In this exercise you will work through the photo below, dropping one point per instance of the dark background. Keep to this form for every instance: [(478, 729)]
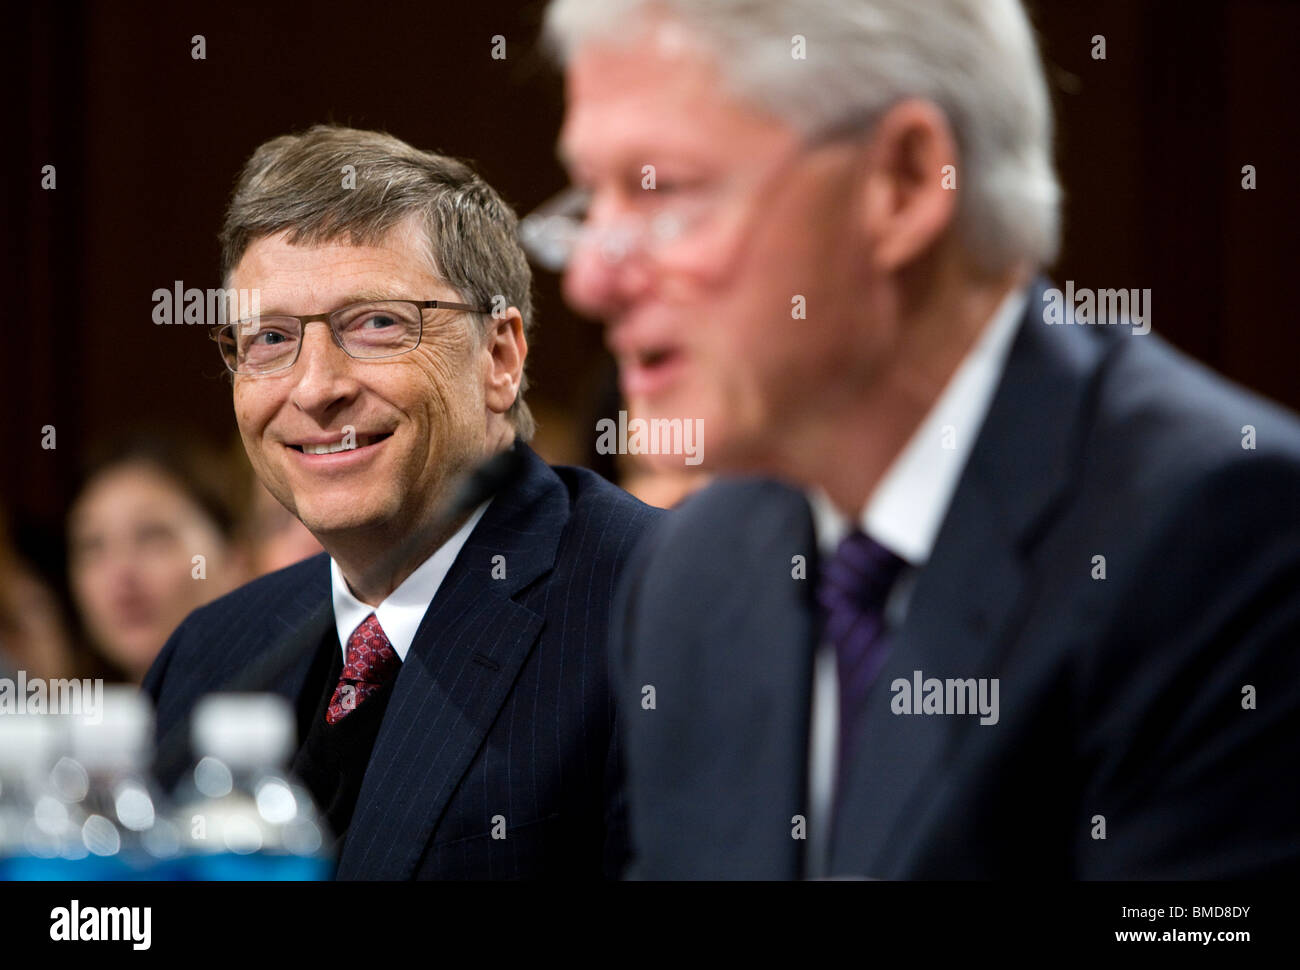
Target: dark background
[(147, 143)]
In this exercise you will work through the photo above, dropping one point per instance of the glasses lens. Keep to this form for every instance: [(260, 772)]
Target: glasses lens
[(378, 329), (259, 344), (551, 234)]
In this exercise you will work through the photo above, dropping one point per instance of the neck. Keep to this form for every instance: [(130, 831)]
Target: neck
[(936, 323), (376, 564)]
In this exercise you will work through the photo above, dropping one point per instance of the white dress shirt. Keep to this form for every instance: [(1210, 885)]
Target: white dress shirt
[(400, 614), (903, 514)]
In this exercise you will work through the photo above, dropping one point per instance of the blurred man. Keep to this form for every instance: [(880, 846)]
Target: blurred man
[(1025, 600), (451, 686)]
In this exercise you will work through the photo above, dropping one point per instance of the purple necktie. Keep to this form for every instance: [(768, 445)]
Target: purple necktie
[(852, 591)]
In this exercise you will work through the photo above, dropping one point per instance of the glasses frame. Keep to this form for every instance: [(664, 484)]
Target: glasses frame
[(552, 224), (215, 331)]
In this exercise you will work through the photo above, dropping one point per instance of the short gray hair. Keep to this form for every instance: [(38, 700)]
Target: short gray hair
[(295, 183), (976, 59)]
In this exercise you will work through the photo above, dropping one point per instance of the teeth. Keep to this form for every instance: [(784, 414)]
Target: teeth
[(338, 446)]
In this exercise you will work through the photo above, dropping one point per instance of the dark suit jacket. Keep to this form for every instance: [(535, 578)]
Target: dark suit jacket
[(1126, 697), (501, 707)]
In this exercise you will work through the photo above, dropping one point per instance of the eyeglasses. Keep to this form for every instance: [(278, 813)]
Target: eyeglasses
[(367, 331), (553, 233)]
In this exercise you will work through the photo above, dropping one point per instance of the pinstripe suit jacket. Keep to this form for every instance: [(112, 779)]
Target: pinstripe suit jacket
[(501, 707)]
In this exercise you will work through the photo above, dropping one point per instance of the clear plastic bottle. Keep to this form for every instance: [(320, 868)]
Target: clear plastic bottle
[(122, 820), (37, 834), (240, 814)]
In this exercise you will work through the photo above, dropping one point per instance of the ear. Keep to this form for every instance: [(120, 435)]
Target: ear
[(505, 348), (908, 194)]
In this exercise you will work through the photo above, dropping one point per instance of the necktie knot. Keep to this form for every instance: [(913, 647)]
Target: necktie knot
[(857, 579), (370, 663)]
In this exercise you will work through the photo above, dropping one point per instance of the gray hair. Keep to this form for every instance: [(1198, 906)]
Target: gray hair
[(295, 183), (977, 60)]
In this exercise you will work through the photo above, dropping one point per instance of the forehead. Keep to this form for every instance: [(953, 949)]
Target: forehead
[(319, 273), (134, 483), (657, 94)]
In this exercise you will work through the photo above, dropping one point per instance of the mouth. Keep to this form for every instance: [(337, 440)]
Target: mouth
[(334, 445), (653, 357), (133, 615), (649, 370)]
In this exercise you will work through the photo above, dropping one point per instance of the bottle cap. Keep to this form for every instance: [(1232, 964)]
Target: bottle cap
[(27, 743), (119, 736), (244, 730)]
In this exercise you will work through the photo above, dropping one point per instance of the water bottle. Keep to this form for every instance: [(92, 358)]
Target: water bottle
[(241, 815), (34, 825), (121, 819)]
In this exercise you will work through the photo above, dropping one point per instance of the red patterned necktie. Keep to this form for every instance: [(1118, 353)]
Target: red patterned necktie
[(371, 663)]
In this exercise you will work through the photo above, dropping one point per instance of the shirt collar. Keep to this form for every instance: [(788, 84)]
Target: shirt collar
[(400, 614), (909, 503)]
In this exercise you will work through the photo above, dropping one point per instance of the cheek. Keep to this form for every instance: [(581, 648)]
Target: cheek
[(253, 411), (448, 384), (159, 575), (90, 586), (199, 537)]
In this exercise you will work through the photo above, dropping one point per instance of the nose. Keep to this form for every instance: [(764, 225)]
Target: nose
[(607, 272), (117, 574), (324, 381)]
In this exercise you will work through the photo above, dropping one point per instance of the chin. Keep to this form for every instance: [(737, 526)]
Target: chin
[(137, 655), (730, 450), (341, 517)]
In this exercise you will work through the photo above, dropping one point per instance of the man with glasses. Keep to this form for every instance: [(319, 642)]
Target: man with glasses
[(447, 662), (1012, 595)]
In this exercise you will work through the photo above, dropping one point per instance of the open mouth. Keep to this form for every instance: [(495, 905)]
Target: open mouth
[(345, 443), (654, 357), (650, 370)]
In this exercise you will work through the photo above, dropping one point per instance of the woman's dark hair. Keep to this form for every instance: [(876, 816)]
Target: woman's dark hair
[(211, 480)]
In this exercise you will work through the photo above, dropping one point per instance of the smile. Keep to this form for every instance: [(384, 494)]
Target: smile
[(348, 442)]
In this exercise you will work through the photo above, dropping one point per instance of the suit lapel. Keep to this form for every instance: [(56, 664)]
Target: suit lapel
[(969, 597), (465, 657)]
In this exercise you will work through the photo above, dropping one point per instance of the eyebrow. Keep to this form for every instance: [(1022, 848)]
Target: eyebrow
[(357, 296), (632, 157)]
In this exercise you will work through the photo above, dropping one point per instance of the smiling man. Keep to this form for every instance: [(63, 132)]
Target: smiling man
[(1010, 596), (451, 689)]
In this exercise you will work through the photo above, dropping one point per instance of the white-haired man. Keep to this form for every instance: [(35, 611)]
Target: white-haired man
[(1004, 598)]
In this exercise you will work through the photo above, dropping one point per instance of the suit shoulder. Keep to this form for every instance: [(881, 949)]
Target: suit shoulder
[(723, 531), (1184, 469), (590, 496), (735, 510), (269, 591), (1173, 421)]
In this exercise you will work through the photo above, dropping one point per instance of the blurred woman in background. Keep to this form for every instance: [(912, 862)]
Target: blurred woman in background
[(274, 536), (151, 537)]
